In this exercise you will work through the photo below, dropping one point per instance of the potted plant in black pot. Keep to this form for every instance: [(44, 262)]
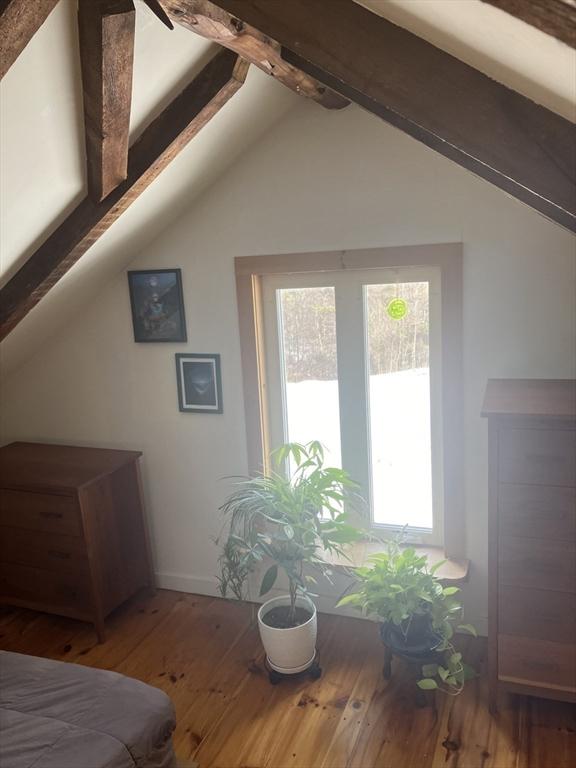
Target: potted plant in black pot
[(418, 615), (286, 523)]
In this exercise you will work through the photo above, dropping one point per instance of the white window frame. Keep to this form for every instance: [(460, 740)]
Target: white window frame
[(353, 375), (250, 272)]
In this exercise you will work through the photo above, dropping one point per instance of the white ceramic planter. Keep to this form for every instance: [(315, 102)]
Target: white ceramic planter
[(293, 650)]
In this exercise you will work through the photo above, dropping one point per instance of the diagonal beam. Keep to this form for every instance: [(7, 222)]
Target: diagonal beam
[(106, 31), (158, 11), (155, 149), (492, 131), (19, 22), (554, 17), (213, 23)]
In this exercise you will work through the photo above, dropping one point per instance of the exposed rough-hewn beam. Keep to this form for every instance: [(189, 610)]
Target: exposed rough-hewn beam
[(19, 22), (208, 20), (555, 17), (157, 9), (480, 124), (154, 150), (106, 33)]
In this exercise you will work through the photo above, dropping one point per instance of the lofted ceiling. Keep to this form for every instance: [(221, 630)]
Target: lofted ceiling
[(42, 134), (42, 151), (501, 46), (42, 156)]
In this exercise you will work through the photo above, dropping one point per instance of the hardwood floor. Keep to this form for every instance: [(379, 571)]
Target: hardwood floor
[(205, 653)]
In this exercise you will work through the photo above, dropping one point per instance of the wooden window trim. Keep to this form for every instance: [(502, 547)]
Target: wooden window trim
[(448, 257)]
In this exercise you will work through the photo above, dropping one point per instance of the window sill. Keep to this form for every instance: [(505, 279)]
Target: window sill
[(455, 571)]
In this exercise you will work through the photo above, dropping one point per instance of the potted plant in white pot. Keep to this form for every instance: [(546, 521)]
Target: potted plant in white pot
[(286, 523)]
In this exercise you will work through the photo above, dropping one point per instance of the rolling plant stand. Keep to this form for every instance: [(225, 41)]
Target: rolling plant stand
[(314, 671)]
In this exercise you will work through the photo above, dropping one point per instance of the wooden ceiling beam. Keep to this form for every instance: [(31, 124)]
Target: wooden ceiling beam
[(213, 23), (554, 17), (492, 131), (158, 11), (106, 31), (19, 22), (164, 138)]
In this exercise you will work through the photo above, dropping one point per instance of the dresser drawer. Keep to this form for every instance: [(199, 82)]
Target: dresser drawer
[(526, 562), (38, 588), (537, 613), (541, 511), (537, 662), (40, 512), (54, 552), (537, 456)]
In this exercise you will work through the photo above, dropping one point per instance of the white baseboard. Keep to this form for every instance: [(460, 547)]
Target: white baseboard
[(325, 603), (195, 585)]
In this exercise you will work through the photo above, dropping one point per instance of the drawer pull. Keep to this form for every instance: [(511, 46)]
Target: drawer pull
[(59, 555), (54, 515)]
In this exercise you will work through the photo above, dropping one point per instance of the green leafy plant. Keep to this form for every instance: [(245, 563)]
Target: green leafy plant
[(287, 521), (401, 590)]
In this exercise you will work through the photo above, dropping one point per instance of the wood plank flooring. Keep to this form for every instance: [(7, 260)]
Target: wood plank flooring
[(205, 653)]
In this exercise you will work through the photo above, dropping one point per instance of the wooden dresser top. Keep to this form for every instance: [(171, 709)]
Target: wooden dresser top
[(530, 397), (57, 467)]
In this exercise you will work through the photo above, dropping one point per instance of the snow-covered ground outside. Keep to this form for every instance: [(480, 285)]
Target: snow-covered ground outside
[(400, 437)]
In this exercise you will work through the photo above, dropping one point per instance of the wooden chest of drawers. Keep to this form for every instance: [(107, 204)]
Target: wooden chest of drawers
[(72, 532), (532, 537)]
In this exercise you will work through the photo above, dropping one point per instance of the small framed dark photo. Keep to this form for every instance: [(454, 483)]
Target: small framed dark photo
[(199, 383), (157, 305)]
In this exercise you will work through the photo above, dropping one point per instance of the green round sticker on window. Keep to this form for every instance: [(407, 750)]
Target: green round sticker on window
[(397, 309)]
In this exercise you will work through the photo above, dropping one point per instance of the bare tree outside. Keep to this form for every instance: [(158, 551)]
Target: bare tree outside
[(398, 345), (309, 335), (309, 318)]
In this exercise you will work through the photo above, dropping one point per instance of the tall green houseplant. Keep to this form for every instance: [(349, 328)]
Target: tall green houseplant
[(287, 521)]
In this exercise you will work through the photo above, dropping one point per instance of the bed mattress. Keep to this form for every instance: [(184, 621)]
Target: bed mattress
[(58, 715)]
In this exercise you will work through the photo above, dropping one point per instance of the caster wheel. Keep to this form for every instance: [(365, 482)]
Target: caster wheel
[(315, 671), (274, 677)]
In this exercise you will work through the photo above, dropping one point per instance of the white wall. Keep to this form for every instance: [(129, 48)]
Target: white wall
[(318, 181)]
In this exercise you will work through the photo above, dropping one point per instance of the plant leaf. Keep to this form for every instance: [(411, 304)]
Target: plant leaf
[(469, 672), (427, 684), (443, 673), (269, 579), (468, 628), (437, 565), (348, 600)]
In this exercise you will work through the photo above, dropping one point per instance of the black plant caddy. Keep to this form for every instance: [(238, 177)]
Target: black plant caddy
[(418, 644), (417, 647), (314, 672)]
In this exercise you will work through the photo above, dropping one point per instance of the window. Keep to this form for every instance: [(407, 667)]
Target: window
[(353, 360), (362, 351)]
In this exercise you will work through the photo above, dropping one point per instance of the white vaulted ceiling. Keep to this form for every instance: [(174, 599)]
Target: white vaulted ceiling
[(42, 158)]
